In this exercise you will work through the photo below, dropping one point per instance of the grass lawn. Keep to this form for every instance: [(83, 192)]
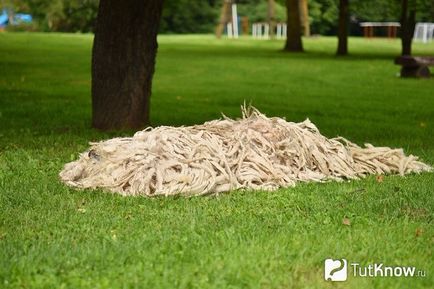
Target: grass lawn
[(52, 236)]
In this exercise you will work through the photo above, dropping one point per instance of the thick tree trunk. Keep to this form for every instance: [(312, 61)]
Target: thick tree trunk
[(343, 27), (123, 61), (408, 23), (293, 34)]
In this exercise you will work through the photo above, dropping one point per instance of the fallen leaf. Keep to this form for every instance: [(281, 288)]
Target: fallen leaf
[(422, 124), (419, 232), (81, 210), (379, 178), (346, 222)]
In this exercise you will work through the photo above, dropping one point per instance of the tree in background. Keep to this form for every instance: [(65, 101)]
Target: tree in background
[(271, 16), (123, 61), (408, 23), (407, 11), (225, 17), (200, 16), (293, 34), (304, 17), (344, 16)]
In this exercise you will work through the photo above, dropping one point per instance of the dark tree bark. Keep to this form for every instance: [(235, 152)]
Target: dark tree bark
[(343, 27), (408, 23), (123, 61), (293, 33)]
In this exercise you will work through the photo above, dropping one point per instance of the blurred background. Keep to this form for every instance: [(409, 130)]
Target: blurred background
[(199, 16)]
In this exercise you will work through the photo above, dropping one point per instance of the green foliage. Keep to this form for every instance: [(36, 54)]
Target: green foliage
[(323, 16), (200, 16), (256, 11), (52, 236), (186, 16), (13, 5), (376, 10), (59, 15), (425, 11), (390, 10), (80, 15), (65, 15)]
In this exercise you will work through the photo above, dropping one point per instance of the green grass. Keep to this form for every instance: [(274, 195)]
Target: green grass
[(52, 236)]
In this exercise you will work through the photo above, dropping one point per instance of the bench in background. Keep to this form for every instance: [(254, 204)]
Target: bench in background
[(415, 66)]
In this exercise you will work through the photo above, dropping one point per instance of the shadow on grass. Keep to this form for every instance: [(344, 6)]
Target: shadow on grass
[(261, 52)]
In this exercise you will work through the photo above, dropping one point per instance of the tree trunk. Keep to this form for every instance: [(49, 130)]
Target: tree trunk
[(343, 27), (271, 17), (408, 23), (304, 14), (225, 15), (123, 61), (293, 33)]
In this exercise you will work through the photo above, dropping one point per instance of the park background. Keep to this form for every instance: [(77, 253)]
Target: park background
[(201, 16), (52, 236)]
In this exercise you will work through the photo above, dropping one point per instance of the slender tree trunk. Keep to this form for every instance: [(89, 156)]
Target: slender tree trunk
[(293, 34), (271, 17), (225, 15), (408, 23), (123, 61), (343, 27), (304, 14)]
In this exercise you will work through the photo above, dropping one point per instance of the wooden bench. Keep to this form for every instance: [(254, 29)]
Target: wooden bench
[(415, 66)]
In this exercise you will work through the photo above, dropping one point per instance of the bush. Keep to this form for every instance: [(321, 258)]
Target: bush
[(22, 27)]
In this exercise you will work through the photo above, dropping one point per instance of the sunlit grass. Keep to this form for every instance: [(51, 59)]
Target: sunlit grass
[(52, 236)]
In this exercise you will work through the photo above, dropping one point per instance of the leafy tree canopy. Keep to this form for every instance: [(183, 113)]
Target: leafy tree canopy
[(200, 16)]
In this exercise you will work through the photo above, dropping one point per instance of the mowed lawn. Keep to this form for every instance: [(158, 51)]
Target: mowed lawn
[(52, 236)]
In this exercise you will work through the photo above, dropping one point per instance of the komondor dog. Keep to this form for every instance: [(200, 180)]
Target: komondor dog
[(254, 152)]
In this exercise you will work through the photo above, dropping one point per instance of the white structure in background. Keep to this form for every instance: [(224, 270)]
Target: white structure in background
[(261, 30), (424, 32), (281, 30), (232, 27)]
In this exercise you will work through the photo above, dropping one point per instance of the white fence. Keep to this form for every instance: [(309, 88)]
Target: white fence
[(424, 32), (261, 30)]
